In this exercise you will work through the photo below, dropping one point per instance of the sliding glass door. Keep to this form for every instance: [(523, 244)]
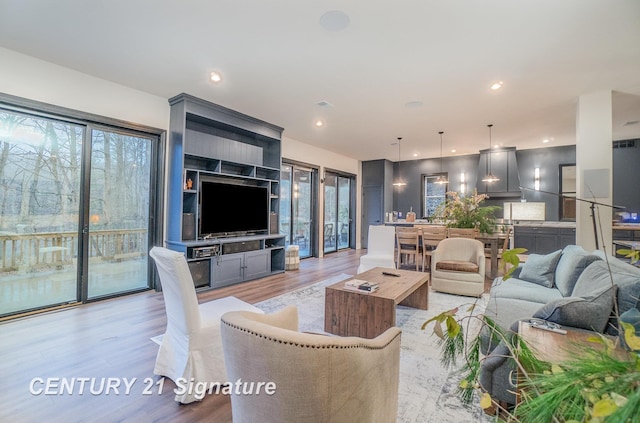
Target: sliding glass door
[(40, 164), (75, 211), (118, 213), (338, 211), (297, 207)]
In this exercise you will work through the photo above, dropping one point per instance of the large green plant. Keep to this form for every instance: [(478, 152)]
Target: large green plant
[(466, 212)]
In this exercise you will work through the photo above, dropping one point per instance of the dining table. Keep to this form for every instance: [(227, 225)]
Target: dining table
[(494, 240)]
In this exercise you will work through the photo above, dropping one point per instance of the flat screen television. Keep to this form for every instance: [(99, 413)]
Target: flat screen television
[(228, 209)]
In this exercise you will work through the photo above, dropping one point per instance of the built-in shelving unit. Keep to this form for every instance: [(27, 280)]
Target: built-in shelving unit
[(211, 142)]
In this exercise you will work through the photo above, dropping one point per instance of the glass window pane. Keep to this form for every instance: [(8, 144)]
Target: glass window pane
[(119, 213), (40, 163)]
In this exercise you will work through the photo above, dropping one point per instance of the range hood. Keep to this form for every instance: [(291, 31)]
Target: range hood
[(505, 167)]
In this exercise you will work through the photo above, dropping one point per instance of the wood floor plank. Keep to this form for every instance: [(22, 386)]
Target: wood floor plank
[(112, 339)]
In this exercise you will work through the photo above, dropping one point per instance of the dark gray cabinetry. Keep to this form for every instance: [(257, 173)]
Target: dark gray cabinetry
[(211, 142), (503, 165), (377, 195), (543, 240), (233, 268)]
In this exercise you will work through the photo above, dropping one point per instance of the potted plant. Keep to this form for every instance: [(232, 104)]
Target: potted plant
[(466, 212)]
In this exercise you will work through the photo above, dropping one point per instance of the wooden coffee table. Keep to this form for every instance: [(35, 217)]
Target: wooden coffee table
[(353, 313)]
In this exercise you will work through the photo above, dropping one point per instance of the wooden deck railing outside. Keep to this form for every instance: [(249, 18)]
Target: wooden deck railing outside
[(52, 249)]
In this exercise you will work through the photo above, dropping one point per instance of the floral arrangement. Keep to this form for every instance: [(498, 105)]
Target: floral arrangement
[(466, 212)]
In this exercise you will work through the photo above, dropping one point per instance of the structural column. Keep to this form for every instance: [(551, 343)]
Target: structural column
[(594, 158)]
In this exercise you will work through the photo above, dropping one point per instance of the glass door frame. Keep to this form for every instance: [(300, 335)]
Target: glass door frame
[(337, 232), (65, 115), (313, 224)]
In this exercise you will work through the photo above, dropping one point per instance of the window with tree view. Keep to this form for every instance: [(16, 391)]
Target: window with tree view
[(434, 194)]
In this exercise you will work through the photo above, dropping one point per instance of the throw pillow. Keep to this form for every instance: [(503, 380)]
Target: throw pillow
[(590, 313), (540, 269), (573, 261)]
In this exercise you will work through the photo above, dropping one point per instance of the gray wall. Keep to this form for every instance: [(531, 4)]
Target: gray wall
[(547, 159), (626, 174)]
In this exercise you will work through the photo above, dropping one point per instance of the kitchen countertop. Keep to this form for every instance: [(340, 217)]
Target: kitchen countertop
[(627, 226), (545, 224)]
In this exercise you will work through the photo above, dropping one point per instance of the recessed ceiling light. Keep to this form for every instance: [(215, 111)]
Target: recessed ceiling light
[(415, 154), (496, 146), (497, 85), (318, 123), (546, 140), (215, 76), (453, 150), (334, 20), (413, 104)]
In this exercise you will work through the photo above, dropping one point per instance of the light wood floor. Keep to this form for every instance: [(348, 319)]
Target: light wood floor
[(111, 339)]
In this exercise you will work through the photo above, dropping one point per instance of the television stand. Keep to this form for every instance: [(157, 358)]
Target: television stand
[(213, 144)]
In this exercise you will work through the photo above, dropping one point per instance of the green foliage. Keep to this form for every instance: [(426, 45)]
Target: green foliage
[(596, 387), (511, 257), (465, 212), (634, 255)]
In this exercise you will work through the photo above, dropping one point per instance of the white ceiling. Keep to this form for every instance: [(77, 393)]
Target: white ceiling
[(278, 61)]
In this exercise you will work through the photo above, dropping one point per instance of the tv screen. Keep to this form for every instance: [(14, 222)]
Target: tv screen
[(230, 209)]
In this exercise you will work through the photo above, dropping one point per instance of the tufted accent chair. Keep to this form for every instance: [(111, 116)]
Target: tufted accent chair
[(318, 378)]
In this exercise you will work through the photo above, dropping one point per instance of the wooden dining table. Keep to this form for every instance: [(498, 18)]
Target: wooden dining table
[(494, 240)]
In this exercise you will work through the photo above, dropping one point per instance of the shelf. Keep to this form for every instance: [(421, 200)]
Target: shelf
[(208, 141)]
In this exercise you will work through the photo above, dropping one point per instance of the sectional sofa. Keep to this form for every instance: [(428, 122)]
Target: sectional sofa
[(570, 287)]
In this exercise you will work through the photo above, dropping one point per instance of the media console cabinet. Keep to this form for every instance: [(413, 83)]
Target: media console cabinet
[(208, 142)]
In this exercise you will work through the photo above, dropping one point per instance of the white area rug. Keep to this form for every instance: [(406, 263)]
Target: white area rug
[(427, 391)]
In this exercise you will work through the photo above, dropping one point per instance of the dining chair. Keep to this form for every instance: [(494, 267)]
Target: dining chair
[(463, 233), (191, 347), (380, 248), (431, 237), (408, 245)]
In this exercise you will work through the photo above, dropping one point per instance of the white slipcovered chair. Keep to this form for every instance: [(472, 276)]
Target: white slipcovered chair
[(191, 347), (317, 378), (457, 267), (380, 248)]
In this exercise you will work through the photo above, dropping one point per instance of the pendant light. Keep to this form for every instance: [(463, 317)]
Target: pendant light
[(399, 182), (490, 177), (441, 180)]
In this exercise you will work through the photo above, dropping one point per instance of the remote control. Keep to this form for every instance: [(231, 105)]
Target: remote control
[(390, 274), (556, 330)]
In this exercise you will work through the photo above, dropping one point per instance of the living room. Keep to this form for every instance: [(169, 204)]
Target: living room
[(40, 75)]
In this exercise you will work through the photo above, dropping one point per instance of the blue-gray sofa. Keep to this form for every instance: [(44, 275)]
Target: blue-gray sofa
[(570, 287)]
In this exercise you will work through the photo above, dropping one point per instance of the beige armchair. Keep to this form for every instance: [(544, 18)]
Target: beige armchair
[(457, 267), (317, 378)]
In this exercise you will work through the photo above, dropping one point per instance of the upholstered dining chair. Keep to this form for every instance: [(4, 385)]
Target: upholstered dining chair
[(380, 248), (191, 347), (457, 267), (408, 246), (316, 378)]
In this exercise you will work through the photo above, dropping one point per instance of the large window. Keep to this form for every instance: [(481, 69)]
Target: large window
[(338, 211), (434, 194), (77, 203)]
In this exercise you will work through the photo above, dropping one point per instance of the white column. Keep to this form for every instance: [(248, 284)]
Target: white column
[(594, 176)]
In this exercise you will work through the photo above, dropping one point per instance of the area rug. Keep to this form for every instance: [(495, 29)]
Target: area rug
[(427, 390)]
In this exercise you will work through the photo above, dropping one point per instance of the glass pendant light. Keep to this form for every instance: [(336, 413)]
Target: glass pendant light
[(441, 179), (399, 182), (490, 176)]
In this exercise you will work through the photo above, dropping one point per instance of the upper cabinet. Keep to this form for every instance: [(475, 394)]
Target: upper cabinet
[(502, 164)]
